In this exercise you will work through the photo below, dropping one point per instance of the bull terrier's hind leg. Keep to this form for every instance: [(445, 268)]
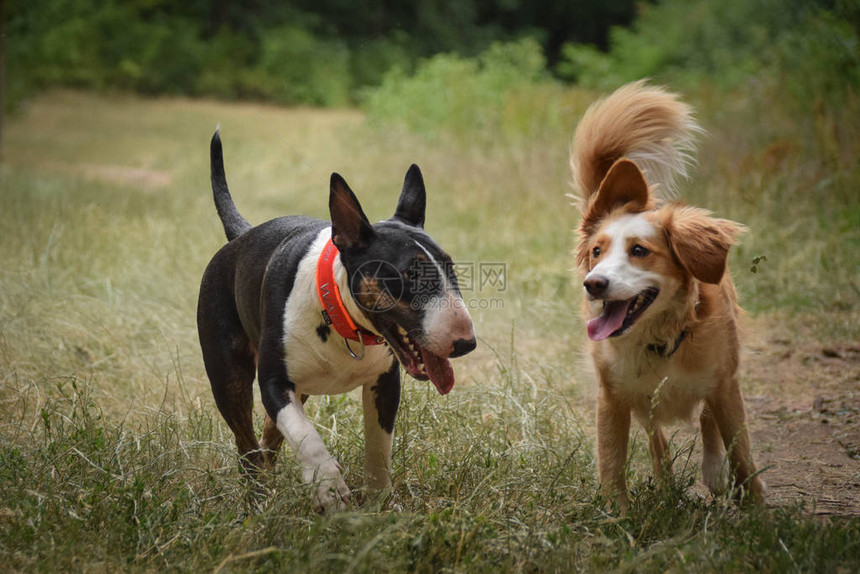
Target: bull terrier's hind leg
[(230, 365)]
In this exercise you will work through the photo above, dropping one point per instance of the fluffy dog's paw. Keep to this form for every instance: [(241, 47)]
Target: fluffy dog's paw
[(757, 490), (330, 493), (715, 473)]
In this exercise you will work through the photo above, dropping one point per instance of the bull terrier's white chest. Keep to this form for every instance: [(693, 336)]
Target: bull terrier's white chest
[(317, 359), (318, 368)]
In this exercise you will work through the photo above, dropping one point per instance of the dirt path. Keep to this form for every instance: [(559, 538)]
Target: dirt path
[(804, 407)]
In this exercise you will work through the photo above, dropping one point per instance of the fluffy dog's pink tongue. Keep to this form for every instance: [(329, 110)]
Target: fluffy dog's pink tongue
[(440, 371), (610, 321)]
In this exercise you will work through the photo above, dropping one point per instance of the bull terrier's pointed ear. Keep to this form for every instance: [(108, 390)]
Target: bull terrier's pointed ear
[(413, 199), (350, 228)]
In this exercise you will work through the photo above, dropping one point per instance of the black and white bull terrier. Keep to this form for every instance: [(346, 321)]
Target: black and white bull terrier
[(320, 308)]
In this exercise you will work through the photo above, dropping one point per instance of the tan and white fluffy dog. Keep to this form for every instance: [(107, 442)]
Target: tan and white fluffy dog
[(662, 310)]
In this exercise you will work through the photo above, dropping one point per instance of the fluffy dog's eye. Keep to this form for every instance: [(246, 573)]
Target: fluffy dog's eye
[(595, 252), (639, 251)]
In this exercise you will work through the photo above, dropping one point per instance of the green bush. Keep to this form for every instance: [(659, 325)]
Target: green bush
[(297, 67), (168, 59), (810, 48), (224, 67), (488, 96), (369, 61), (820, 61), (166, 48)]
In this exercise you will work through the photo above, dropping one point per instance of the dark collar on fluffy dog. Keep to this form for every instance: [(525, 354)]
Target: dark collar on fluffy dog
[(664, 350)]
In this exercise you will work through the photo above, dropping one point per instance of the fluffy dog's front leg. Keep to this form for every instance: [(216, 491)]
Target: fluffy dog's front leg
[(613, 430), (728, 411), (659, 449), (715, 470), (319, 468)]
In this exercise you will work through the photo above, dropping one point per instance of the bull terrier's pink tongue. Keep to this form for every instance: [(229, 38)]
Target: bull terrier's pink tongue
[(610, 321), (440, 371)]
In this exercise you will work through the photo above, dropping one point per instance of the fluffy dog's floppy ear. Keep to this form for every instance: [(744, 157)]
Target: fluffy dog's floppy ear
[(622, 186), (350, 228), (701, 242), (413, 199)]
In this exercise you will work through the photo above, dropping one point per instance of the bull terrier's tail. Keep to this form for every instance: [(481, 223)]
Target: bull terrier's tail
[(234, 224)]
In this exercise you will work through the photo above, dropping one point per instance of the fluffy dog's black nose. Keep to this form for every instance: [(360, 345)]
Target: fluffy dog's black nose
[(597, 285), (463, 346)]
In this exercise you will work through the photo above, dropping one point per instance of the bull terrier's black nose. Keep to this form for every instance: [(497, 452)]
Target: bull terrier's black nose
[(463, 346), (597, 285)]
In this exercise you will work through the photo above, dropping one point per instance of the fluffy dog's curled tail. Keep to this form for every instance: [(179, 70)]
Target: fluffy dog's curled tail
[(645, 124)]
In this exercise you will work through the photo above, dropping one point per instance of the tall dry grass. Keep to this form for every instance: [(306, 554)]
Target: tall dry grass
[(112, 455)]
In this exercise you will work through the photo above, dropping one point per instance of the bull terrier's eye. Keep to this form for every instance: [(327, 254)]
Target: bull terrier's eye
[(639, 251), (423, 277), (595, 252)]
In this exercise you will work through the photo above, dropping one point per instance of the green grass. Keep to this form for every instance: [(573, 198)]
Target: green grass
[(113, 456)]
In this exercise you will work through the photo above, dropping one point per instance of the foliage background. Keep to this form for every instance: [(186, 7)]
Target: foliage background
[(319, 53)]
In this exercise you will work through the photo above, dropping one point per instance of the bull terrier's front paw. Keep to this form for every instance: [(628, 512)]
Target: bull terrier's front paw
[(330, 491)]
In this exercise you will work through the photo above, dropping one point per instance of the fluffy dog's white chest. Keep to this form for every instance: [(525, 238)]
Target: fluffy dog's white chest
[(655, 386)]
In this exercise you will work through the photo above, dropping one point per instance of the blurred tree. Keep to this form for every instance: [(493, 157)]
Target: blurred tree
[(230, 48), (557, 22)]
